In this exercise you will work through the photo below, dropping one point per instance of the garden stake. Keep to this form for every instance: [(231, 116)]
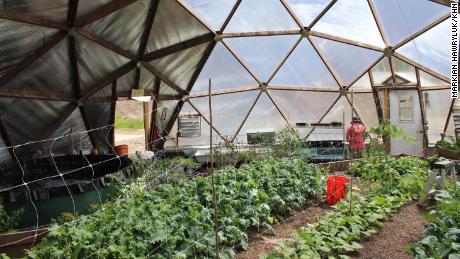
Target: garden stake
[(352, 156), (213, 181)]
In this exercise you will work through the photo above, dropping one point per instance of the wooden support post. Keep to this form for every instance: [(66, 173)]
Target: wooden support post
[(146, 106), (386, 117)]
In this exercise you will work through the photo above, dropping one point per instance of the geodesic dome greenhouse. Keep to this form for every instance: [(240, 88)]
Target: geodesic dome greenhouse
[(272, 64)]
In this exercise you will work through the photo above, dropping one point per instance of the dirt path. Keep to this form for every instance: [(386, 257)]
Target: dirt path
[(133, 138), (391, 242), (265, 243)]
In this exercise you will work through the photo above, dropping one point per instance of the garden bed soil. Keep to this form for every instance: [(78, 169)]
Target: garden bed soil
[(261, 242), (401, 229)]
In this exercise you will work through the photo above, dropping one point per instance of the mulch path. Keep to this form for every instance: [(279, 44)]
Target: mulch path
[(401, 229), (265, 242)]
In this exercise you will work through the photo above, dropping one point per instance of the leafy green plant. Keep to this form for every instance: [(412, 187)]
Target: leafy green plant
[(174, 219), (441, 238), (450, 144), (8, 221)]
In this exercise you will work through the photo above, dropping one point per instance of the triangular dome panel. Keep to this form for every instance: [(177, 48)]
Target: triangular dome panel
[(213, 11), (304, 68), (173, 24), (124, 27), (180, 66), (403, 18), (437, 112), (251, 16), (364, 83), (224, 121), (224, 71), (95, 62), (264, 117), (431, 49), (263, 53), (22, 40), (381, 72), (351, 20), (427, 80), (348, 61), (307, 10)]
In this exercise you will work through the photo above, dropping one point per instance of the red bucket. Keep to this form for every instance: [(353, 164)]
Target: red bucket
[(336, 188)]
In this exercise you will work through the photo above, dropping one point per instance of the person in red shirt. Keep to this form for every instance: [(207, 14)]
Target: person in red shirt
[(355, 137)]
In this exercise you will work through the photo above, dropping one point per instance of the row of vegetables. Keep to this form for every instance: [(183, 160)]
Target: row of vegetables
[(175, 219), (393, 183)]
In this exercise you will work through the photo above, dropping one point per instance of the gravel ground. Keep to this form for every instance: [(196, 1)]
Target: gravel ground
[(398, 232), (264, 243)]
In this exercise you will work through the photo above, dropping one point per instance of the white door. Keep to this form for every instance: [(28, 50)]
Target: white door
[(405, 113)]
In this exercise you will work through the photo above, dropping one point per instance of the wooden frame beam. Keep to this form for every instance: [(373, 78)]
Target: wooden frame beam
[(113, 112), (346, 41), (377, 21), (375, 92), (240, 60), (422, 112), (107, 44), (102, 12), (153, 115), (32, 20), (23, 64), (292, 13), (230, 15), (323, 12), (148, 28), (421, 67), (35, 95), (179, 47), (225, 91), (326, 63), (259, 33), (72, 13)]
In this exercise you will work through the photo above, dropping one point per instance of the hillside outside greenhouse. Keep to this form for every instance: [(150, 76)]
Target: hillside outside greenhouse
[(306, 129)]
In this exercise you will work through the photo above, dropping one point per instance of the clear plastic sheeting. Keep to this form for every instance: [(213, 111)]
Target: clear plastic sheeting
[(173, 24), (405, 71), (181, 66), (348, 61), (225, 72), (19, 40), (427, 80), (200, 141), (49, 9), (340, 112), (304, 68), (251, 16), (351, 20), (262, 54), (431, 49), (264, 117), (303, 108), (363, 84), (165, 110), (100, 118), (95, 63), (28, 119), (124, 27), (308, 10), (437, 105), (364, 105), (381, 72), (403, 18), (228, 110), (48, 75), (213, 12)]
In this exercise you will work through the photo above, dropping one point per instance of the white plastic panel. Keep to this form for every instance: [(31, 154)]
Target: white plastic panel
[(402, 18), (437, 105), (414, 127), (228, 110), (431, 49), (173, 24), (180, 66), (213, 11), (404, 70), (348, 61), (263, 118), (251, 16), (307, 10), (124, 27), (351, 20), (304, 68), (262, 54), (19, 40), (224, 71)]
